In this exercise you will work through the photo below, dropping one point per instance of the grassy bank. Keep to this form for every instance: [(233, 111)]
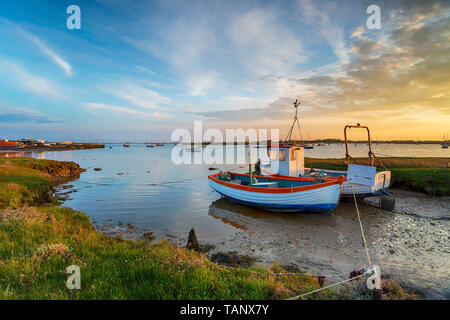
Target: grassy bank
[(427, 175), (39, 242), (28, 181)]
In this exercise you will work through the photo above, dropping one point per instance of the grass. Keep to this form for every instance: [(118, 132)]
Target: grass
[(25, 181), (427, 175), (39, 242)]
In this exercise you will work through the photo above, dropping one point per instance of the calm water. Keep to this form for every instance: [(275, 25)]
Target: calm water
[(141, 185)]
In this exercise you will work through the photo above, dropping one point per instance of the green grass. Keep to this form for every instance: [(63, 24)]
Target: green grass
[(427, 175), (26, 181), (38, 243)]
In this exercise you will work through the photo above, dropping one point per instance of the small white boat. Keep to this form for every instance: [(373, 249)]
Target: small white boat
[(283, 194)]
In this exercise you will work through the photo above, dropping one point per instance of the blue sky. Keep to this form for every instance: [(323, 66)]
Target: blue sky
[(137, 70)]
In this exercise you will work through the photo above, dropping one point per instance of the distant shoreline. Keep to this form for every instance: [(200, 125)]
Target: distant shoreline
[(76, 146)]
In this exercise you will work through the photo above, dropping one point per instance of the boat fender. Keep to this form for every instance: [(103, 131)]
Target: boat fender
[(341, 179)]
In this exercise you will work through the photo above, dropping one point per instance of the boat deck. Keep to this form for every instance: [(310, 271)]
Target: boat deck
[(265, 182)]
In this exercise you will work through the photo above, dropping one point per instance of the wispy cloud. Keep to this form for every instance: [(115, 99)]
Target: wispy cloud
[(137, 94), (28, 81), (332, 33), (94, 106), (52, 55), (43, 47), (20, 115), (264, 43)]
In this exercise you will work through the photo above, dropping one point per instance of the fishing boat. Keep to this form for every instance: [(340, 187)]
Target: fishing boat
[(193, 149), (281, 194), (5, 144)]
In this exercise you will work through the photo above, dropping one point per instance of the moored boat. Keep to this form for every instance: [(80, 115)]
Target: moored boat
[(283, 194)]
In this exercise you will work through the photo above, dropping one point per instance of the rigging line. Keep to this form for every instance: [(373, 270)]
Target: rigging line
[(360, 225)]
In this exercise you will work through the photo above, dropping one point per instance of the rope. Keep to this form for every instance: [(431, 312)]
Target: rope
[(311, 275), (323, 288), (295, 273), (360, 225)]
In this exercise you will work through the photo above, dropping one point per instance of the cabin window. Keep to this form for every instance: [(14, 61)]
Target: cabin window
[(293, 153), (282, 155), (273, 154)]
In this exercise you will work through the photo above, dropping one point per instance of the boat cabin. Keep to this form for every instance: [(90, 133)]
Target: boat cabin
[(285, 159)]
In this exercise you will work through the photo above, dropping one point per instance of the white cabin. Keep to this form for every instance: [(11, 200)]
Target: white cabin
[(287, 160)]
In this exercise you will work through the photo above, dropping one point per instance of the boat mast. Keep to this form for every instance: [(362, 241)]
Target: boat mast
[(289, 135)]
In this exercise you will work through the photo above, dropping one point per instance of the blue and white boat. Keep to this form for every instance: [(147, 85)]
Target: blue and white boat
[(283, 194)]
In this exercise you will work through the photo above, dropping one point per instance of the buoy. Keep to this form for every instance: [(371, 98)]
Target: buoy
[(387, 202)]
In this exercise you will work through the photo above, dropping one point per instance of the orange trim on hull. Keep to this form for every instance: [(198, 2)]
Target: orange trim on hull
[(276, 190), (280, 176)]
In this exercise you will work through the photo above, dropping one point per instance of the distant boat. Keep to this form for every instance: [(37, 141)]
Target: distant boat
[(308, 146), (445, 143), (193, 149), (126, 145), (283, 194)]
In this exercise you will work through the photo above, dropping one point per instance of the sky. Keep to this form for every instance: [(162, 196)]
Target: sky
[(138, 70)]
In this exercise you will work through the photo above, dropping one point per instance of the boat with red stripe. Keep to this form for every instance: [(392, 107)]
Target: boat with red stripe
[(284, 194)]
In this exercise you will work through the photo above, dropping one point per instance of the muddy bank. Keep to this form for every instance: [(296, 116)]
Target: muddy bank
[(410, 244)]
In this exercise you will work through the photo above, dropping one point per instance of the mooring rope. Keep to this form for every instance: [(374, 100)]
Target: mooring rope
[(294, 273), (360, 225), (323, 288)]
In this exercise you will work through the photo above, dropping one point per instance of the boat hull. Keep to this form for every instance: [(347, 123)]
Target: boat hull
[(382, 180), (323, 199)]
